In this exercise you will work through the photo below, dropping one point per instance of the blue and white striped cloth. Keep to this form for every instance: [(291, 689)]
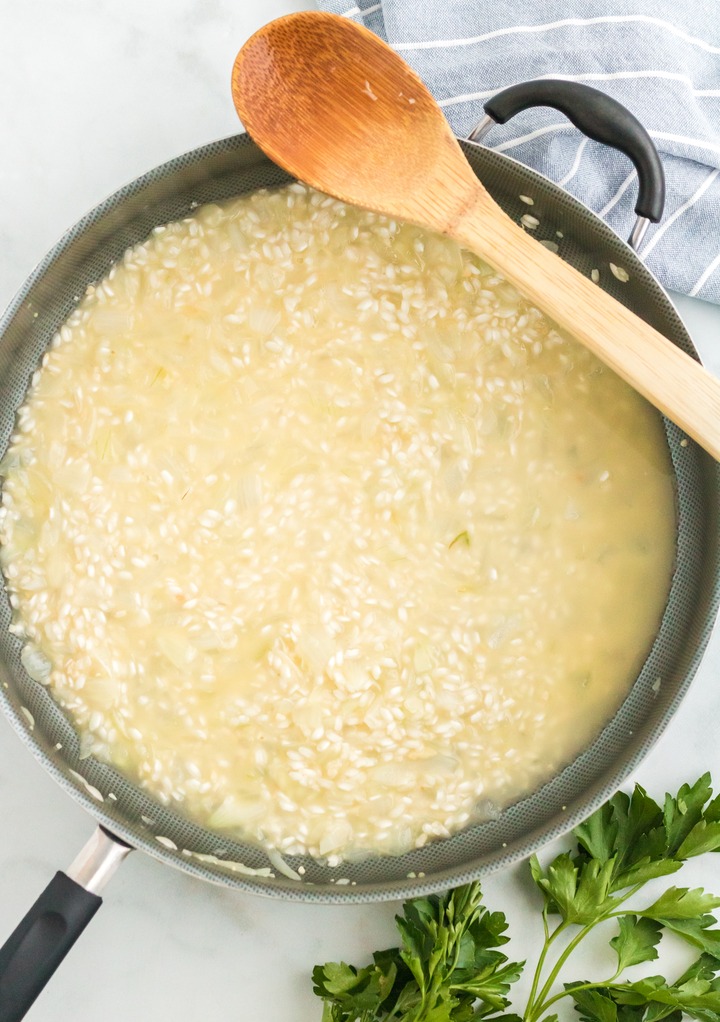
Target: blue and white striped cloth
[(660, 58)]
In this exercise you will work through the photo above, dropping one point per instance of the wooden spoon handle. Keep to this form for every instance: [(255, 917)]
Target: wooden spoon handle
[(673, 381)]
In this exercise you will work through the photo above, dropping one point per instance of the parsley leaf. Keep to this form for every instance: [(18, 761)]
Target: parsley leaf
[(353, 993), (577, 889), (681, 903), (636, 942), (447, 963), (682, 813), (695, 994), (696, 932), (592, 1005)]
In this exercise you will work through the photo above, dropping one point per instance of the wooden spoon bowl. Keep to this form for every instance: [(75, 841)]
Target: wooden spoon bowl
[(356, 123), (337, 108)]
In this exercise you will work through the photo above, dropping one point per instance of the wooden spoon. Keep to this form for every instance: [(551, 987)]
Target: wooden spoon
[(337, 108)]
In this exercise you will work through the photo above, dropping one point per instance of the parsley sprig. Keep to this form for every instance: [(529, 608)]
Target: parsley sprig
[(448, 968), (446, 963)]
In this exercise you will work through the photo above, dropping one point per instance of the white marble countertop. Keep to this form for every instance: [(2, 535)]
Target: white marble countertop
[(91, 95)]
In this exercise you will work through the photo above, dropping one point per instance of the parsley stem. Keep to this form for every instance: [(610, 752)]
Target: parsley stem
[(555, 971), (532, 1012), (542, 1008), (549, 938)]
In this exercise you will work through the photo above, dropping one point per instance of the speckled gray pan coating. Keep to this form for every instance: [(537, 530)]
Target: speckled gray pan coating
[(231, 167)]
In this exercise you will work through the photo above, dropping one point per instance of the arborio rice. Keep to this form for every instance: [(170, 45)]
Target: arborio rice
[(325, 536)]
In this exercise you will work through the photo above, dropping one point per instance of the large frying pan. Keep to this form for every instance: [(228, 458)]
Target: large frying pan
[(128, 816)]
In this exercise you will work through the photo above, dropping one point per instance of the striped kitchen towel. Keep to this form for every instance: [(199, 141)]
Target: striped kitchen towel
[(660, 58)]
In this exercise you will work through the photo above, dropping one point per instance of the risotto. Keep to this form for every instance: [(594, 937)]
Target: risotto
[(323, 535)]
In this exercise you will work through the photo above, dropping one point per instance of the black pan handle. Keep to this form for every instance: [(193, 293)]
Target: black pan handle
[(601, 118), (33, 952)]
